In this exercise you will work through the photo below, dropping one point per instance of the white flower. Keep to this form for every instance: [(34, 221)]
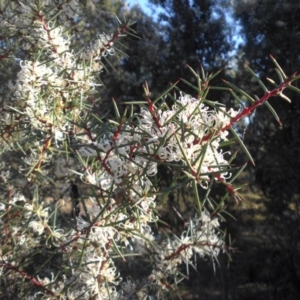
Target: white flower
[(109, 274), (88, 177), (128, 286), (106, 181), (18, 197), (37, 226)]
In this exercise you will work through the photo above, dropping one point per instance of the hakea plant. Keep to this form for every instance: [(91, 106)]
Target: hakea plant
[(52, 141)]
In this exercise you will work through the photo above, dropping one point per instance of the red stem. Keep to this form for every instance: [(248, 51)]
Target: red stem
[(28, 277), (4, 55), (7, 232), (248, 110), (153, 113)]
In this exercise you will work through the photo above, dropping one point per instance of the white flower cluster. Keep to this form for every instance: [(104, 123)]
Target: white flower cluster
[(51, 88), (43, 91), (202, 237), (99, 48), (189, 133)]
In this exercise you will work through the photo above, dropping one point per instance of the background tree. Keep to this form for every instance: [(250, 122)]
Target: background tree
[(274, 28), (140, 63), (186, 32)]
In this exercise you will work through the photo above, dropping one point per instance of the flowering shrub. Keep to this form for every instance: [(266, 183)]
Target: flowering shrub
[(79, 192)]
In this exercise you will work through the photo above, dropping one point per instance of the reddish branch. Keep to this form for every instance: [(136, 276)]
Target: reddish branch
[(43, 152), (4, 55), (114, 37), (28, 277), (198, 244), (153, 113), (248, 110), (7, 232)]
